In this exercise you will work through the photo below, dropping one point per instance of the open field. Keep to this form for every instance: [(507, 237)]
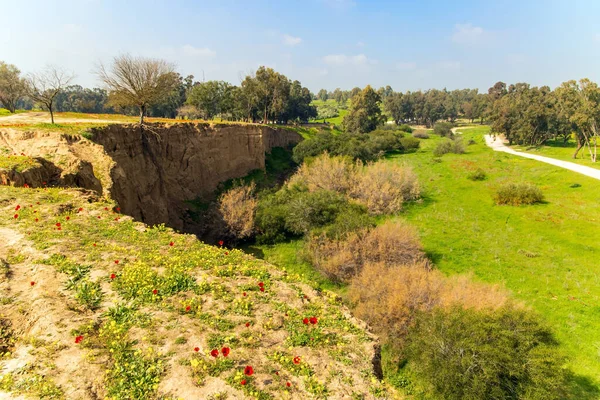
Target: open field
[(562, 151), (546, 254)]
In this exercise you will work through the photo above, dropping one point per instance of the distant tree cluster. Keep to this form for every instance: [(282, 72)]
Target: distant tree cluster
[(531, 116)]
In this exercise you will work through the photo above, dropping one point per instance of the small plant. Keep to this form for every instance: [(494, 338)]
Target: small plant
[(88, 293), (516, 194), (443, 129), (477, 175)]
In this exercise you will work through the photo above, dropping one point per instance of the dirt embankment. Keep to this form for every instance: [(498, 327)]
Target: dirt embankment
[(160, 168)]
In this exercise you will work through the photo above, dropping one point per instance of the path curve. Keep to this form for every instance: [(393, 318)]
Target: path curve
[(497, 144)]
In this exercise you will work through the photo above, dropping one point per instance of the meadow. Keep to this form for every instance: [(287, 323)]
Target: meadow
[(561, 151), (544, 254)]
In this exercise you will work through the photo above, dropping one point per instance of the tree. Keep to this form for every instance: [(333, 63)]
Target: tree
[(322, 95), (12, 86), (44, 86), (139, 82), (211, 98), (365, 112)]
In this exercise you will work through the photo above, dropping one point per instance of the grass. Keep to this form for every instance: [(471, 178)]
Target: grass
[(561, 151), (4, 112), (545, 254)]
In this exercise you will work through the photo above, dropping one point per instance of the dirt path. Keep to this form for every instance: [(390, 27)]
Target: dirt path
[(44, 117), (497, 144)]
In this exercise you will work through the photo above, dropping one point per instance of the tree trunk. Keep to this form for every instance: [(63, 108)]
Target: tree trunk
[(51, 113), (579, 146), (265, 118), (142, 113)]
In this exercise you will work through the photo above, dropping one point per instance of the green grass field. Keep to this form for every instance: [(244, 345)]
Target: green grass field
[(562, 151), (545, 254)]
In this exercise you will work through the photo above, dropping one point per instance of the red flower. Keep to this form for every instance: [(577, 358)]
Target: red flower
[(116, 219), (244, 294), (188, 308), (220, 243), (247, 324), (226, 253), (297, 360), (17, 208), (112, 276), (249, 371), (118, 209), (196, 349), (68, 218), (98, 217), (94, 244), (225, 351), (78, 339), (171, 244), (105, 208), (116, 261), (154, 291), (261, 284), (36, 220), (38, 203), (32, 283), (214, 353), (16, 216), (262, 289), (58, 224), (80, 209), (288, 384), (313, 320), (44, 183), (243, 382), (25, 186), (305, 321)]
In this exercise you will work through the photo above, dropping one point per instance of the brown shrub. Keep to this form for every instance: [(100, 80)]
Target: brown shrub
[(326, 173), (388, 297), (382, 187), (392, 243), (237, 206)]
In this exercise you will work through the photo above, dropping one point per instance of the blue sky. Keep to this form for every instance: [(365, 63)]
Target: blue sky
[(408, 45)]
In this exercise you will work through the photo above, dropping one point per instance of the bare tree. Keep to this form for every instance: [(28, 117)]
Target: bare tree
[(138, 81), (44, 86), (12, 86)]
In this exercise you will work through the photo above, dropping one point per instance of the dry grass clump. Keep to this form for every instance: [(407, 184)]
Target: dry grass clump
[(383, 187), (389, 296), (516, 194), (237, 206), (392, 243)]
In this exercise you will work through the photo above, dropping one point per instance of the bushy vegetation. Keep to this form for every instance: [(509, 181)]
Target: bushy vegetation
[(516, 194), (420, 135), (237, 207), (456, 146), (443, 129), (477, 175)]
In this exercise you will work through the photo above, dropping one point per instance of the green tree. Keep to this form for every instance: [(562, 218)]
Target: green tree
[(365, 112), (211, 98), (12, 86), (322, 95)]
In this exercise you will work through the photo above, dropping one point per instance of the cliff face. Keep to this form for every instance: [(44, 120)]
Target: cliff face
[(157, 169)]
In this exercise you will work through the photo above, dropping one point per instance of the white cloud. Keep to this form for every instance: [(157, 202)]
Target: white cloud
[(291, 40), (406, 66), (467, 34), (190, 50), (342, 59), (452, 65)]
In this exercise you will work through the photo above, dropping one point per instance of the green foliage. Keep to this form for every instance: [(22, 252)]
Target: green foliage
[(502, 354), (410, 143), (88, 293), (365, 112), (405, 128), (443, 129), (446, 146), (516, 194), (477, 175)]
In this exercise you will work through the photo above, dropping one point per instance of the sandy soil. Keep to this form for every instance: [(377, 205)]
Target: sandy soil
[(498, 144), (41, 117)]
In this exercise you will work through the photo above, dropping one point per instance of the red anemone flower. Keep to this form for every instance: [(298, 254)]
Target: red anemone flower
[(68, 218), (94, 244), (262, 289), (171, 244), (226, 253), (244, 294), (225, 351), (261, 284), (16, 216), (78, 339), (80, 209), (36, 220), (288, 384), (25, 186), (214, 353), (58, 224), (154, 291), (105, 208), (32, 283), (196, 349), (313, 320), (220, 243), (243, 382), (17, 208), (116, 261), (305, 321), (188, 308), (247, 324), (118, 209), (297, 360), (249, 371), (113, 276)]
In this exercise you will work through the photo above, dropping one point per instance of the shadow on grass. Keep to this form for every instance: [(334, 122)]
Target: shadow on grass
[(583, 388)]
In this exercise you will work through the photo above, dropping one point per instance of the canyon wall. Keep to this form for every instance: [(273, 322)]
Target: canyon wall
[(159, 168)]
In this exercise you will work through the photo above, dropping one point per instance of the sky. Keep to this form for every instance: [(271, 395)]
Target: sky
[(409, 45)]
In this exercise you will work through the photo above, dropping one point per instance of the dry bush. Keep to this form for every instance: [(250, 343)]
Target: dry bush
[(383, 187), (393, 243), (388, 297), (516, 194), (237, 206), (326, 173)]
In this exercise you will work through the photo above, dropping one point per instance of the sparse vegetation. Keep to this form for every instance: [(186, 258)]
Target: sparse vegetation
[(516, 194)]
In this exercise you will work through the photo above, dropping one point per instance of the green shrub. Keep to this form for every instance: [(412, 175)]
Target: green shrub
[(502, 354), (353, 219), (410, 143), (443, 129), (88, 293), (405, 128), (421, 135), (477, 175), (449, 146), (516, 194)]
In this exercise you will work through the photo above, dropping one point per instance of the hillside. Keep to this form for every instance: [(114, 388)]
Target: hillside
[(96, 305)]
